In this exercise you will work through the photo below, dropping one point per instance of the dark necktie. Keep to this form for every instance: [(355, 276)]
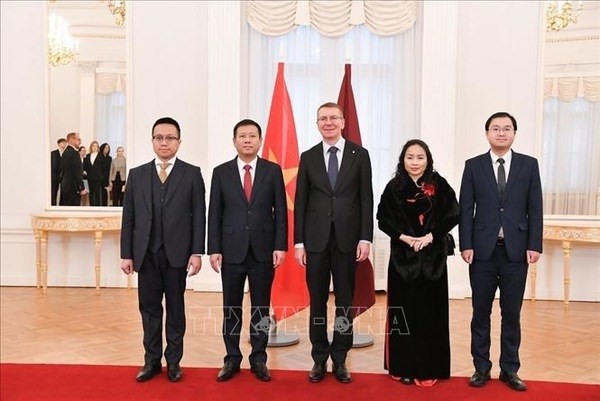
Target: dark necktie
[(248, 182), (332, 166), (501, 177)]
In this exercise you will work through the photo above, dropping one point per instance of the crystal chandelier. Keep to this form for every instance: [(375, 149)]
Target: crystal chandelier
[(62, 48), (559, 14), (117, 8)]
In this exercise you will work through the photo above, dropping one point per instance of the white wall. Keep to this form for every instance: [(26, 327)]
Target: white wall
[(185, 62)]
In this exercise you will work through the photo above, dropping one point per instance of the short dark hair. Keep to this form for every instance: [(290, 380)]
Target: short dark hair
[(170, 121), (500, 114), (61, 140), (330, 105), (245, 122)]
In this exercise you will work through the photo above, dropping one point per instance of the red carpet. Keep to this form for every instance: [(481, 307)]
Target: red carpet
[(116, 383)]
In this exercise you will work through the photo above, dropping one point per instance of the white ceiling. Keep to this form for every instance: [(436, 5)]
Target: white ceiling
[(93, 25)]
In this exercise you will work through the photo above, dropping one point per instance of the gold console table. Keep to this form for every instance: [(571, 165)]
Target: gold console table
[(93, 222), (567, 231)]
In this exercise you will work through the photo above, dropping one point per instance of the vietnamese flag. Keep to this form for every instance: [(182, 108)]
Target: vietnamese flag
[(289, 293), (364, 292)]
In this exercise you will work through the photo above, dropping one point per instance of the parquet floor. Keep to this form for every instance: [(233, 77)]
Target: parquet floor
[(72, 325)]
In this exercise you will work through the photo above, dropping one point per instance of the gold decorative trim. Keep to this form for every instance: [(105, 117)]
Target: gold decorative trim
[(74, 224), (586, 38), (579, 234)]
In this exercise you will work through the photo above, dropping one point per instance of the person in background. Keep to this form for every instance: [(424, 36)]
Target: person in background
[(247, 238), (118, 177), (501, 227), (92, 165), (55, 157), (82, 150), (71, 182), (333, 217), (105, 162), (85, 198), (417, 210), (162, 239)]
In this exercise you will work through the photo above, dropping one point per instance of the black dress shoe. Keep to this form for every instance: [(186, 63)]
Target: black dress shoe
[(174, 372), (317, 372), (227, 371), (341, 373), (407, 380), (513, 381), (147, 372), (261, 372), (479, 378)]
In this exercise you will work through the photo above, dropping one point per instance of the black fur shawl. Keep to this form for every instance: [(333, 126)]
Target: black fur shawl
[(395, 218)]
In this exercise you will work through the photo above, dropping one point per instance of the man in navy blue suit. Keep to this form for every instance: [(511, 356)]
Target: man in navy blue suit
[(500, 232), (247, 238)]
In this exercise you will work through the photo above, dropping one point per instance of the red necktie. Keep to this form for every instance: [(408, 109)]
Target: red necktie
[(248, 182)]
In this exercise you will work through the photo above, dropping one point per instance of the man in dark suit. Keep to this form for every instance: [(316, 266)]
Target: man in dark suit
[(500, 233), (55, 157), (162, 239), (333, 217), (247, 237), (71, 181)]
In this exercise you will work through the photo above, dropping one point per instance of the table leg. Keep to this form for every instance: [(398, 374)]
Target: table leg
[(44, 260), (38, 256), (533, 279), (566, 245), (98, 243)]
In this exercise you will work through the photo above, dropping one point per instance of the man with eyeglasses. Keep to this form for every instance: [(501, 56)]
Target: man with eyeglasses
[(333, 217), (162, 239), (500, 232)]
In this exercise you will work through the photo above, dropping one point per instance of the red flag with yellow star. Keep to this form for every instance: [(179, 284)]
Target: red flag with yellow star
[(289, 293), (364, 292)]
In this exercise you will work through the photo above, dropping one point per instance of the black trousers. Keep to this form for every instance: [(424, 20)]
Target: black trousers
[(486, 276), (95, 192), (320, 268), (260, 278), (54, 193), (155, 279), (117, 191), (70, 198)]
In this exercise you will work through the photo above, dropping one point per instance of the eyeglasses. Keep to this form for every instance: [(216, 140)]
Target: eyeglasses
[(324, 119), (168, 139), (496, 130)]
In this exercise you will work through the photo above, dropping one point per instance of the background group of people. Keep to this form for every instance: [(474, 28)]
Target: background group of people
[(500, 228), (82, 178)]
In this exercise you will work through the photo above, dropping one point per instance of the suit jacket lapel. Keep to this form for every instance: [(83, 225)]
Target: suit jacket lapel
[(488, 170), (319, 163), (235, 177), (175, 177), (146, 188), (515, 166), (259, 176), (347, 161)]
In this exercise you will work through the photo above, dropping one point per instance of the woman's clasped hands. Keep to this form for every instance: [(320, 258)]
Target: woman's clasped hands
[(417, 243)]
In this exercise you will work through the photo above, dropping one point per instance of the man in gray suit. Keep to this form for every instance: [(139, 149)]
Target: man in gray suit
[(500, 234), (162, 239), (247, 238), (333, 218)]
